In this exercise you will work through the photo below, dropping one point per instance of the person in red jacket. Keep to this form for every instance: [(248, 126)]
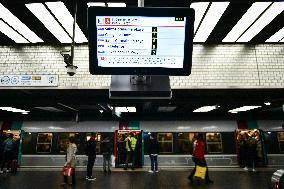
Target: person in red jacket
[(198, 158)]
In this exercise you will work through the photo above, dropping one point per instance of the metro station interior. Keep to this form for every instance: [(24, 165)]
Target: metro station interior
[(52, 88)]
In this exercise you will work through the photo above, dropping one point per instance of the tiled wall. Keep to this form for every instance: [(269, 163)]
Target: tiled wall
[(214, 66)]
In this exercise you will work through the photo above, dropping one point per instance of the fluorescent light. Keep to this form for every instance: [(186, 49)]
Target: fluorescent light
[(274, 10), (246, 21), (15, 110), (243, 109), (49, 108), (267, 103), (93, 4), (65, 18), (277, 36), (15, 23), (116, 4), (210, 20), (12, 34), (125, 109), (39, 10), (206, 109), (200, 9)]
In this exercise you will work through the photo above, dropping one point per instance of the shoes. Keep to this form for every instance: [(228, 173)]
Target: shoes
[(156, 171), (150, 171), (1, 172), (253, 170), (7, 171), (245, 168), (90, 178)]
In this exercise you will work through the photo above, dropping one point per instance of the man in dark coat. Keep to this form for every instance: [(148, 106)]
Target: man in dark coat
[(153, 153), (90, 150)]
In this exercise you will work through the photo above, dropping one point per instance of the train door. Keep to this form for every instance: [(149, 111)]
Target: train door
[(120, 151), (250, 144)]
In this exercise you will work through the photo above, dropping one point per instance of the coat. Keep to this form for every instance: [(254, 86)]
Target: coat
[(71, 155)]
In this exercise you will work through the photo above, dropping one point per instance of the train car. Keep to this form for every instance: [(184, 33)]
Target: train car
[(43, 144)]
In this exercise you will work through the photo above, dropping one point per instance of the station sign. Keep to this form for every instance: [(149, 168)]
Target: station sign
[(28, 80)]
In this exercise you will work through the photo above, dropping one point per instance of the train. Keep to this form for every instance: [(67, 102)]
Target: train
[(43, 143)]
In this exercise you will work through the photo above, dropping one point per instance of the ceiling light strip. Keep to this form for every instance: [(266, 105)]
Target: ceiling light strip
[(96, 4), (243, 109), (274, 10), (11, 33), (210, 20), (278, 36), (64, 17), (116, 4), (17, 25), (40, 11), (200, 9), (206, 108), (246, 21)]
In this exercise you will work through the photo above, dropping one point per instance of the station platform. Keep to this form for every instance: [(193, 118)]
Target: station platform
[(166, 178)]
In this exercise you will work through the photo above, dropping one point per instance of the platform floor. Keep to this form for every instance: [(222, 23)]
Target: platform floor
[(138, 179)]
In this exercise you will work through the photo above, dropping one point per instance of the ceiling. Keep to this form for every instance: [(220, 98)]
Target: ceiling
[(53, 104), (232, 14)]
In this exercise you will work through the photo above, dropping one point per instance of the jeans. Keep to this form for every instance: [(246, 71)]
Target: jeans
[(106, 160), (91, 162), (7, 158), (154, 162)]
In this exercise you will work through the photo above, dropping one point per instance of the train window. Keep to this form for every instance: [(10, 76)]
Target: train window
[(44, 141), (63, 140), (214, 142), (280, 137), (166, 142), (185, 142), (98, 139)]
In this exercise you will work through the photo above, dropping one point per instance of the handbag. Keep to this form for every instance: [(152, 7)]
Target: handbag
[(200, 172), (67, 171)]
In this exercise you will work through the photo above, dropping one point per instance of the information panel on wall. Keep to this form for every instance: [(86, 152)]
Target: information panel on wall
[(28, 80)]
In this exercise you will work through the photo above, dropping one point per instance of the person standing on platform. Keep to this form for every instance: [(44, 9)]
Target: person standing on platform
[(71, 159), (90, 150), (131, 142), (8, 152), (106, 149), (199, 159), (153, 153)]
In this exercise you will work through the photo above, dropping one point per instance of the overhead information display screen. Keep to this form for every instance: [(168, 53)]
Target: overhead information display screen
[(140, 41)]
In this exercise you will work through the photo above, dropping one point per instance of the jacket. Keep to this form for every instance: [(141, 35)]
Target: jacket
[(71, 155), (153, 146), (106, 146), (198, 151), (90, 148)]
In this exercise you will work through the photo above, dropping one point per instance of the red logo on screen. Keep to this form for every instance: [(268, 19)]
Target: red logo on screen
[(102, 58), (107, 20)]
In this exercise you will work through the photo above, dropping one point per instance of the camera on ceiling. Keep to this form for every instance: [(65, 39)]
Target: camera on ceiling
[(68, 59)]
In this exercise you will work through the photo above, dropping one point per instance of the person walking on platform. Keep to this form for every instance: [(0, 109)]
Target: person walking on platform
[(199, 159), (71, 159), (90, 151), (106, 150), (153, 153), (8, 152), (131, 142)]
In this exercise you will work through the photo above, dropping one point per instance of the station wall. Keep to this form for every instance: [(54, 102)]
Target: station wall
[(214, 66)]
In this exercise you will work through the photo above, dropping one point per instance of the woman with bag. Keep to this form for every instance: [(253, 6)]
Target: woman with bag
[(69, 166), (199, 160)]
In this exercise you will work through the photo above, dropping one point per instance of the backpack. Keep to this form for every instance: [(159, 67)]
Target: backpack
[(8, 145)]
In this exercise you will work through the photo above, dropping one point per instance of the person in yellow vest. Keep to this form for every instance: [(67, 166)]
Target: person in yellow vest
[(130, 146)]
